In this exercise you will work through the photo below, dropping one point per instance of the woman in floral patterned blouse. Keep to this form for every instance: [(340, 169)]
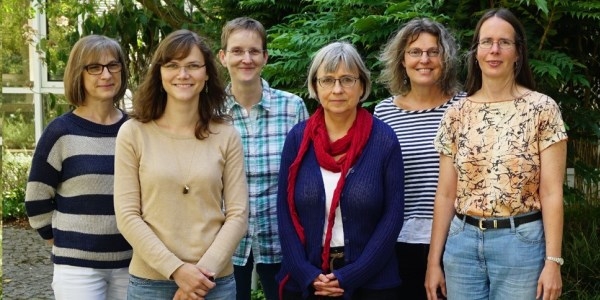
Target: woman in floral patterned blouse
[(498, 214)]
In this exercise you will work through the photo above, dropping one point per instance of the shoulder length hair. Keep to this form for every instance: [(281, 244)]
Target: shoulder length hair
[(150, 99), (523, 74), (86, 51), (394, 74)]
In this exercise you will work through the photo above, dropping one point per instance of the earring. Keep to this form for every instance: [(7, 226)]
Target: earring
[(405, 79), (206, 88)]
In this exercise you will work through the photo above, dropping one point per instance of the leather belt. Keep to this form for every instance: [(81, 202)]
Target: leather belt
[(336, 258), (484, 224)]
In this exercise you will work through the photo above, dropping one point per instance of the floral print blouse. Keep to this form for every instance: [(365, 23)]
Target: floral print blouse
[(496, 152)]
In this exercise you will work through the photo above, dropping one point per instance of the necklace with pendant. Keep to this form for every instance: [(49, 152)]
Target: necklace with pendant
[(186, 185), (181, 144)]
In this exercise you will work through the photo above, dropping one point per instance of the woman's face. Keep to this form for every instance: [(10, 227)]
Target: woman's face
[(339, 92), (184, 79), (105, 85), (497, 52), (244, 57), (423, 61)]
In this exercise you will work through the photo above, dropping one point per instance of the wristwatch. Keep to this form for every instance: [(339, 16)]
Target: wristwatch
[(559, 260)]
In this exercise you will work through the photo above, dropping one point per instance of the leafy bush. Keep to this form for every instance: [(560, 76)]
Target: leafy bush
[(15, 168), (18, 132), (581, 272)]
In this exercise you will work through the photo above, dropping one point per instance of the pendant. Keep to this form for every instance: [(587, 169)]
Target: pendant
[(186, 189)]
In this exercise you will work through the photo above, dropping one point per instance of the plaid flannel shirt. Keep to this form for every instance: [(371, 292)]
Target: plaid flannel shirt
[(263, 130)]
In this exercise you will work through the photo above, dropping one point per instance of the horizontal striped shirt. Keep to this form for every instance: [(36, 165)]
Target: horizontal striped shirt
[(416, 130), (69, 195), (263, 130)]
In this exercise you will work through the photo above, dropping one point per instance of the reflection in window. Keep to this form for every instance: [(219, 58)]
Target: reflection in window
[(15, 49), (18, 131), (61, 27), (54, 106)]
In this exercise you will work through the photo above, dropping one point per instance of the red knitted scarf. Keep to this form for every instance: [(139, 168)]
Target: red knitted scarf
[(351, 144)]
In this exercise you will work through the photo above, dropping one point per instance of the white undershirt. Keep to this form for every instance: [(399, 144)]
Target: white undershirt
[(330, 181)]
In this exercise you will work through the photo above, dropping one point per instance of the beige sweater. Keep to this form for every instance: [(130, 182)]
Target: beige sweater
[(166, 227)]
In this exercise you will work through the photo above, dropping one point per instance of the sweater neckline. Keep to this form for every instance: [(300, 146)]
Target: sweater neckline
[(95, 127)]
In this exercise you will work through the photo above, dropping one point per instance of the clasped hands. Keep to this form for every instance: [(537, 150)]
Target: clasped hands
[(327, 285), (194, 282)]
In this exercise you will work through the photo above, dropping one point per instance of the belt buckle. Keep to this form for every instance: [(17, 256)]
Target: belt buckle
[(483, 220)]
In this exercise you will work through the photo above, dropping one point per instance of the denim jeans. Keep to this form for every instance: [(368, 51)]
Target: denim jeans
[(495, 263), (71, 282), (143, 289)]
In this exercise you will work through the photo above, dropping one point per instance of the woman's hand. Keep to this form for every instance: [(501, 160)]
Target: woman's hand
[(194, 282), (550, 282), (327, 285), (434, 279)]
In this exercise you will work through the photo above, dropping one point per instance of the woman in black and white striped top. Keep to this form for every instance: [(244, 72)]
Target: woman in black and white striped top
[(421, 73)]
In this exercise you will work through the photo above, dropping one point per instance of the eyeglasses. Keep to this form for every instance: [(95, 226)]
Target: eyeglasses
[(97, 69), (502, 43), (329, 82), (251, 51), (173, 67), (418, 52)]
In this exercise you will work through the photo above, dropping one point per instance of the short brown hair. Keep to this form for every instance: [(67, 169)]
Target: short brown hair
[(243, 23), (86, 51)]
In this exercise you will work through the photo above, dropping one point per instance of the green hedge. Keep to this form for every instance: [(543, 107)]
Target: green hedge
[(15, 168), (581, 250)]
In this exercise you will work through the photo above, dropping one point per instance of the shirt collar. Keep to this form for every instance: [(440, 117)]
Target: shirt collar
[(265, 101)]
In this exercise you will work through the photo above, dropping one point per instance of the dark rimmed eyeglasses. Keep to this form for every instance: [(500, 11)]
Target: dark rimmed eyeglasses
[(97, 69)]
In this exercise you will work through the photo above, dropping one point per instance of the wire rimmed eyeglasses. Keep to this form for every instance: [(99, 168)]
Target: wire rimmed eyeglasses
[(97, 69), (502, 43), (173, 67), (251, 51), (329, 82), (418, 52)]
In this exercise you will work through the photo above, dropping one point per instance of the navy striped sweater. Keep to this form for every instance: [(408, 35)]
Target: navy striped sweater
[(69, 195)]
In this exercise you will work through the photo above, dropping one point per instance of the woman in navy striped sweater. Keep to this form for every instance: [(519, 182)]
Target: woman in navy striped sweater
[(420, 72), (69, 197)]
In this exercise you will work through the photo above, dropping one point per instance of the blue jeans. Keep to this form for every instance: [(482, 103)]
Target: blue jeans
[(143, 289), (495, 263)]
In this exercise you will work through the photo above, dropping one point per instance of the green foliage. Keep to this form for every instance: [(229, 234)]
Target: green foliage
[(257, 294), (581, 272), (15, 168), (15, 14), (18, 131)]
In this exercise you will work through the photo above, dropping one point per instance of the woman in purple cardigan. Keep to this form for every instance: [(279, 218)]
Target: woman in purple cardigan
[(340, 200)]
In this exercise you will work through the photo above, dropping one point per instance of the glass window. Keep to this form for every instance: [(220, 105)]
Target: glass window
[(15, 48), (18, 131), (54, 106), (61, 27)]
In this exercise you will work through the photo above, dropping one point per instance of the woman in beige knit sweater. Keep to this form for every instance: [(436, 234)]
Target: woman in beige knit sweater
[(180, 188)]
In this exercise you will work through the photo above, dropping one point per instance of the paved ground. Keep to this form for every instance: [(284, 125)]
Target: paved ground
[(26, 265)]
